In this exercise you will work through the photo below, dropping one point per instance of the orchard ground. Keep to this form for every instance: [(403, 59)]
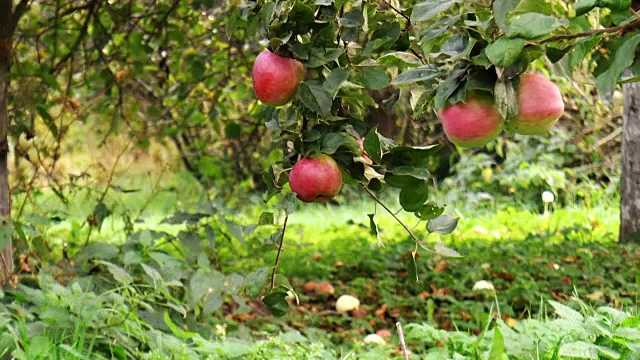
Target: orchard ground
[(570, 257)]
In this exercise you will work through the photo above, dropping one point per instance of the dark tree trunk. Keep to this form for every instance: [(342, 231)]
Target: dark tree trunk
[(630, 189), (6, 45)]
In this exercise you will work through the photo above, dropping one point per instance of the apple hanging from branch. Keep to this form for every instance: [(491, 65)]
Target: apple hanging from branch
[(473, 122), (540, 103), (276, 78), (315, 178)]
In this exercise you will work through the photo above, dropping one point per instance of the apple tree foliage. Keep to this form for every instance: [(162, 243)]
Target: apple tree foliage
[(432, 52), (179, 72)]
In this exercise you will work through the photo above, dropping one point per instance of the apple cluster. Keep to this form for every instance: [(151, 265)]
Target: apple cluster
[(315, 178), (476, 121), (470, 123)]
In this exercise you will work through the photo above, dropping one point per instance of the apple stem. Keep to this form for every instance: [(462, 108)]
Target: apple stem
[(275, 267), (375, 198), (403, 344)]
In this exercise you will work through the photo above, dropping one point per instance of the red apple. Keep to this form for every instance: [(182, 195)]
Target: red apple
[(276, 78), (541, 105), (473, 122), (315, 178)]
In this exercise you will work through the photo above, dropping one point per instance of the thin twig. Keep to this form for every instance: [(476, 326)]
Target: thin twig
[(375, 198), (611, 30), (275, 267), (403, 344), (103, 195), (399, 12)]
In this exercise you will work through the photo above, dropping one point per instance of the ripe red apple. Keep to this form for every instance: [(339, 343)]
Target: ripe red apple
[(540, 104), (276, 78), (473, 122), (315, 178)]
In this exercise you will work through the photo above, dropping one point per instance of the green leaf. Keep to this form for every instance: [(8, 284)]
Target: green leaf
[(235, 230), (334, 80), (448, 87), (414, 195), (627, 333), (566, 312), (584, 6), (315, 98), (152, 273), (445, 251), (300, 19), (426, 73), (277, 303), (373, 226), (50, 79), (118, 273), (332, 141), (191, 244), (266, 218), (506, 99), (214, 303), (615, 4), (203, 283), (443, 224), (322, 56), (429, 211), (429, 9), (100, 212), (501, 10), (623, 58), (534, 25), (175, 330), (232, 130), (532, 6), (505, 51), (373, 77), (412, 267), (96, 250), (43, 111), (579, 349), (497, 346), (372, 146)]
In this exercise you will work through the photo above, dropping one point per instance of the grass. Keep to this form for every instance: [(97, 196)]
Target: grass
[(187, 289)]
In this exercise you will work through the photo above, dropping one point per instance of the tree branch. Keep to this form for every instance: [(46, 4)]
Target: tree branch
[(83, 33), (606, 31), (375, 198), (18, 11)]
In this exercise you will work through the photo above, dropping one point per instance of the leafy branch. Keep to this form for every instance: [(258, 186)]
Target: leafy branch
[(377, 200), (620, 29)]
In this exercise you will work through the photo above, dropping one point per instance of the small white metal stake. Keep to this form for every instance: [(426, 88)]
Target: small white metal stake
[(403, 345)]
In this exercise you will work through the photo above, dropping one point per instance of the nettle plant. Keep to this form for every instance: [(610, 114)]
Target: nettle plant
[(470, 62)]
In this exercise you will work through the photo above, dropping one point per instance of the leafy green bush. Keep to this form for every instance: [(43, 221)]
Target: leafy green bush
[(603, 333)]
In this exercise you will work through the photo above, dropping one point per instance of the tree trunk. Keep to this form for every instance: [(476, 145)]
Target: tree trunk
[(6, 45), (630, 189)]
